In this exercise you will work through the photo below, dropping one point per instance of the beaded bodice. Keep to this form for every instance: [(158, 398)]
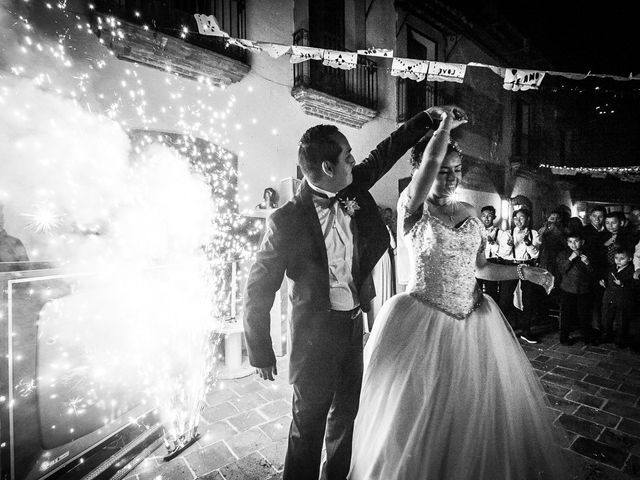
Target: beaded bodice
[(443, 260)]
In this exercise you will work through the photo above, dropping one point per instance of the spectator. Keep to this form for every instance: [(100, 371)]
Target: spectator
[(619, 298), (488, 216), (618, 237), (595, 234), (11, 248), (576, 285), (269, 199), (633, 228), (552, 241), (522, 245)]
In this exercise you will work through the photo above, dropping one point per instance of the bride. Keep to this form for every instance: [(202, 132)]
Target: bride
[(448, 393)]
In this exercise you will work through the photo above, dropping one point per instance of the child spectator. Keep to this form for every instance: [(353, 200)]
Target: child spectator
[(576, 285), (618, 300)]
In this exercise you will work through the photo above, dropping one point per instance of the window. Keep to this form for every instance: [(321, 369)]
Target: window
[(521, 144), (414, 97)]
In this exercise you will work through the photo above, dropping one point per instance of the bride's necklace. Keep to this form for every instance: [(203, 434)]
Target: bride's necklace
[(441, 204)]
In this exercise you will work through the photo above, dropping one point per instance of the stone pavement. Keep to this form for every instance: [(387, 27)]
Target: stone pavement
[(593, 391)]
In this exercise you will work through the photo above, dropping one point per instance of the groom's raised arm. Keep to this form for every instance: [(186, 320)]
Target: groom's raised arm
[(265, 279), (389, 151)]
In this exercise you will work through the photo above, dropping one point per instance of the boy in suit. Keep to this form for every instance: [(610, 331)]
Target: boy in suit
[(619, 298)]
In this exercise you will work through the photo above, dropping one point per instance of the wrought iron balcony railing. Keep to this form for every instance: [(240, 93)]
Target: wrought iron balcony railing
[(359, 85), (172, 16)]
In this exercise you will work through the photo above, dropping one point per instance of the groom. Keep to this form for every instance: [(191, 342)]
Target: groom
[(327, 240)]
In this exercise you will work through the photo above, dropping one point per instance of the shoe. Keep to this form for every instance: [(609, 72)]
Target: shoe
[(529, 338)]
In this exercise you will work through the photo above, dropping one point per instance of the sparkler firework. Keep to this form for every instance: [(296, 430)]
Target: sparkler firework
[(144, 223)]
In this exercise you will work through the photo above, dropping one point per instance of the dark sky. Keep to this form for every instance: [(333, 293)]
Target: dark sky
[(603, 36)]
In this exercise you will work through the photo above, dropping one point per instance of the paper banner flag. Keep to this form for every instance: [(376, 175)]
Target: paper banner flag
[(376, 52), (409, 68), (572, 76), (515, 79), (446, 72), (246, 44), (302, 54), (275, 50), (208, 25), (343, 60)]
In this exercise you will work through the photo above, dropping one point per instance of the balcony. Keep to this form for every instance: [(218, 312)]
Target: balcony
[(152, 35), (349, 97)]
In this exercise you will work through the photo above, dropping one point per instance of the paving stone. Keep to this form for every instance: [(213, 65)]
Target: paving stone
[(277, 392), (215, 432), (615, 367), (275, 409), (630, 388), (603, 382), (620, 440), (582, 427), (629, 426), (215, 475), (219, 412), (597, 416), (275, 453), (212, 457), (632, 467), (617, 396), (541, 366), (542, 358), (566, 372), (248, 388), (570, 383), (554, 354), (562, 404), (247, 442), (248, 402), (624, 378), (571, 350), (599, 350), (246, 420), (555, 390), (586, 399), (623, 410), (176, 469), (277, 429), (251, 467), (600, 451), (219, 395)]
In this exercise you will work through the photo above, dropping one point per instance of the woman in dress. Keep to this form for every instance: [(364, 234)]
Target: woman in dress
[(448, 392)]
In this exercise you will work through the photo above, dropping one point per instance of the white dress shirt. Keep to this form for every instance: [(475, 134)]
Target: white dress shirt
[(491, 250), (338, 239), (520, 251)]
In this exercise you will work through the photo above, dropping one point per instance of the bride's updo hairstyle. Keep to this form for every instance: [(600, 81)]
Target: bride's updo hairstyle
[(418, 149)]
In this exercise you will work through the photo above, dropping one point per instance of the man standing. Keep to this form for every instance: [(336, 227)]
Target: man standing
[(327, 240), (594, 236), (488, 216)]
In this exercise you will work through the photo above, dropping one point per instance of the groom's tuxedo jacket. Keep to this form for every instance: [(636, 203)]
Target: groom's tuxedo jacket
[(294, 245)]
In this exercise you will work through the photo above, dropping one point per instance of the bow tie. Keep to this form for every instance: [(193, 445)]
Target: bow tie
[(323, 200)]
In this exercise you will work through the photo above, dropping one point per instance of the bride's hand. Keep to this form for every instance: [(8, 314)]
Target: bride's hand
[(539, 276), (450, 116)]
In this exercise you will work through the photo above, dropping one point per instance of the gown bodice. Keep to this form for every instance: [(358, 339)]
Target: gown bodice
[(443, 260)]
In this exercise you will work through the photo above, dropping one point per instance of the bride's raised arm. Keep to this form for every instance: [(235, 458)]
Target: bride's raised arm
[(423, 178)]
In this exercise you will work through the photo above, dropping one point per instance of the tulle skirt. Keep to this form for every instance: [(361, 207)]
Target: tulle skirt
[(447, 399)]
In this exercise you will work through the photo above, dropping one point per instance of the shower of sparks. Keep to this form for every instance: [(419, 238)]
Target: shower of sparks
[(44, 220), (127, 215)]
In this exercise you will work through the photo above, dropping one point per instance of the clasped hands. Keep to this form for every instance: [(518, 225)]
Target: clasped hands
[(449, 115)]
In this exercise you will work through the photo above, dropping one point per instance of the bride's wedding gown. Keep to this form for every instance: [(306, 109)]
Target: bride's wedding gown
[(448, 393)]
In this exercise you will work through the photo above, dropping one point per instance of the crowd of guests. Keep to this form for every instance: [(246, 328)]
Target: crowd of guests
[(596, 268)]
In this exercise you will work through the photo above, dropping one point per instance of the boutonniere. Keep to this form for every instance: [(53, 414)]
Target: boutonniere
[(350, 206)]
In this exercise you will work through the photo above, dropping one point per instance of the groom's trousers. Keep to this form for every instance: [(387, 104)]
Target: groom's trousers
[(327, 404)]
